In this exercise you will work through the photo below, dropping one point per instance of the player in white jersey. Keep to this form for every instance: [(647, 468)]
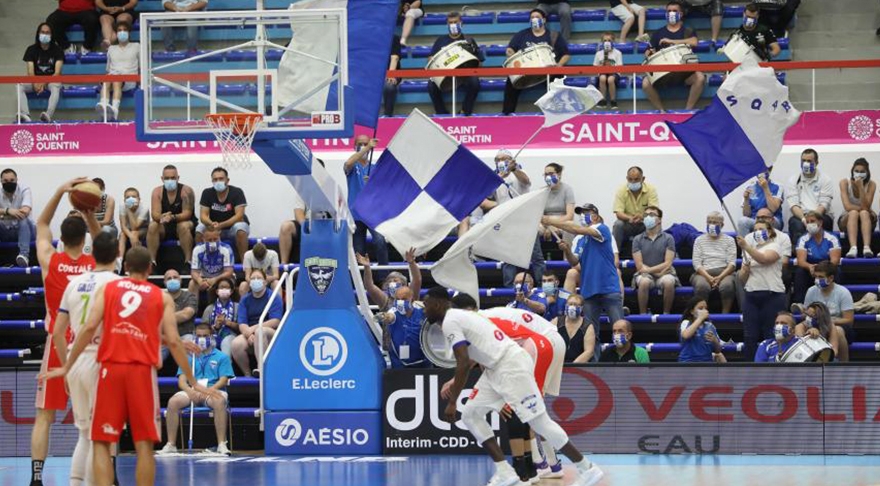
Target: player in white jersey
[(507, 378), (83, 377)]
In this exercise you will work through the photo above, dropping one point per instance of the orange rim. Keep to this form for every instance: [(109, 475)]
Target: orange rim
[(240, 123)]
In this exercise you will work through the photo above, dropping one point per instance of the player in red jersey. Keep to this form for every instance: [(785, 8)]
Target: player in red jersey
[(57, 269), (134, 314)]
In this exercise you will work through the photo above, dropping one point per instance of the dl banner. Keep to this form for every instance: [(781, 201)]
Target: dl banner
[(18, 390), (678, 409)]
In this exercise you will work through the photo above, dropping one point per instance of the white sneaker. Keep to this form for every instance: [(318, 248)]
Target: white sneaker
[(588, 477), (643, 38), (551, 472), (24, 118), (114, 113), (45, 118), (222, 449), (83, 50), (867, 253), (852, 253), (168, 449), (71, 49), (504, 477)]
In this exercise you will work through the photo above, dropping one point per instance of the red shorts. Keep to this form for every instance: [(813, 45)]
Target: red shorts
[(541, 350), (127, 393), (51, 394)]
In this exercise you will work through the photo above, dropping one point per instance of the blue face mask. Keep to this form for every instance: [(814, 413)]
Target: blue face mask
[(501, 167), (809, 322), (455, 29), (257, 285), (170, 184), (781, 331), (761, 236), (122, 35), (551, 179), (607, 46), (673, 17), (45, 38), (212, 246), (713, 229), (750, 22), (392, 289), (650, 222), (573, 311), (634, 186), (549, 288), (619, 339), (204, 342), (402, 306), (522, 288), (808, 168), (219, 186), (130, 202), (537, 23), (822, 283), (173, 285)]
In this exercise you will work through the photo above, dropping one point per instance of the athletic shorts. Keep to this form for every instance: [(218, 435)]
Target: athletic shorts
[(623, 14), (511, 381), (127, 393), (82, 381), (51, 394)]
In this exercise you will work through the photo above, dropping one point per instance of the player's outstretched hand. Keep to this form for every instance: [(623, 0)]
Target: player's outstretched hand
[(450, 414), (506, 412), (68, 186), (52, 374)]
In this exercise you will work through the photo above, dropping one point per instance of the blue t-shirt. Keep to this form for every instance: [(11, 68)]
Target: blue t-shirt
[(664, 33), (696, 349), (535, 295), (211, 367), (557, 308), (525, 39), (818, 251), (357, 178), (445, 40), (406, 331), (757, 200), (769, 349), (598, 272), (212, 263), (250, 308)]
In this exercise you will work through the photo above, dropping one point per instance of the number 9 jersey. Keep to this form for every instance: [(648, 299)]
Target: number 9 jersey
[(133, 312)]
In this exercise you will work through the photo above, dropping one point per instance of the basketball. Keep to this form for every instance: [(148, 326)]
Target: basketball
[(86, 196)]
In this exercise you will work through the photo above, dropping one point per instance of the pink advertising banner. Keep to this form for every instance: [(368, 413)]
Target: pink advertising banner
[(492, 132)]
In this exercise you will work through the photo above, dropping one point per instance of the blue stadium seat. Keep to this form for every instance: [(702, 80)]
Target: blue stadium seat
[(14, 353), (520, 17), (94, 58), (420, 51)]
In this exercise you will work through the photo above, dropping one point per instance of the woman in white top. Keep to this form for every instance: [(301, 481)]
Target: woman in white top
[(761, 274), (607, 55), (122, 58), (857, 195)]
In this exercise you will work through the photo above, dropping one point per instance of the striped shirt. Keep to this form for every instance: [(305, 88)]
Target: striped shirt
[(712, 253)]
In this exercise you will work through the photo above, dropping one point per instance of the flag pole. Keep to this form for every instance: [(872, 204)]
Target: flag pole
[(528, 141), (729, 215)]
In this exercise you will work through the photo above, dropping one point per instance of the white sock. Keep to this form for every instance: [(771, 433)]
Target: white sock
[(79, 460), (584, 464), (549, 452), (537, 457), (116, 103), (503, 465), (105, 101)]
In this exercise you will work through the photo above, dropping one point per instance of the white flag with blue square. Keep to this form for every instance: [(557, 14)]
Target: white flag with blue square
[(423, 185)]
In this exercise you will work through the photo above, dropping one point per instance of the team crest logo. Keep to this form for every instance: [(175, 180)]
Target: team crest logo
[(321, 272), (564, 102)]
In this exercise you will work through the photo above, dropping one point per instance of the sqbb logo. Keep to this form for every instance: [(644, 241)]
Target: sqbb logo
[(323, 351), (321, 272), (288, 432)]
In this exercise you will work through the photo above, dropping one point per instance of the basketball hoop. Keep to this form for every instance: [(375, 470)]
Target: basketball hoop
[(235, 132)]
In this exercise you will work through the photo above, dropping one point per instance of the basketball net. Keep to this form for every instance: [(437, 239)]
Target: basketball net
[(235, 133)]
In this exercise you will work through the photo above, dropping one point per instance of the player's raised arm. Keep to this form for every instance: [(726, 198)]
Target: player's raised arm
[(174, 344)]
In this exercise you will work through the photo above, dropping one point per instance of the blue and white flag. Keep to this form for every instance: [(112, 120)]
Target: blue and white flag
[(739, 135), (562, 102), (423, 185)]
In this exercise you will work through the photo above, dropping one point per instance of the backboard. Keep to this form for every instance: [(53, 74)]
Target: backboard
[(290, 66)]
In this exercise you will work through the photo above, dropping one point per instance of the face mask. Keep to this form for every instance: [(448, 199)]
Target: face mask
[(501, 166), (750, 22), (10, 186), (860, 175), (402, 306), (173, 285), (170, 184), (808, 168), (822, 283), (812, 228), (224, 293), (131, 202), (537, 23), (204, 343), (257, 285), (809, 322), (634, 186), (522, 288), (551, 179), (212, 246), (761, 236), (650, 222), (573, 311), (455, 29), (392, 288), (45, 38), (606, 46), (673, 17), (713, 229), (549, 288), (122, 35), (781, 331), (619, 340), (219, 186)]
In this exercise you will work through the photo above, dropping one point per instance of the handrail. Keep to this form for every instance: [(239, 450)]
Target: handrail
[(259, 353)]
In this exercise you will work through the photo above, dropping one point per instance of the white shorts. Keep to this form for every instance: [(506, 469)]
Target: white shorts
[(554, 375), (511, 382), (82, 380), (547, 365), (623, 14)]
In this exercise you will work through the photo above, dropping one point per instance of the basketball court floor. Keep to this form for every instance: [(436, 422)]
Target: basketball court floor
[(620, 470)]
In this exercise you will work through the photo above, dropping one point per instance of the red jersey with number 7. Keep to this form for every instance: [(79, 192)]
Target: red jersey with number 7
[(133, 312)]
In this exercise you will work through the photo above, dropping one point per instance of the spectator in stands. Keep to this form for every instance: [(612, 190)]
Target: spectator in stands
[(402, 331), (221, 315), (223, 207), (211, 261), (712, 8), (192, 31), (760, 37), (857, 195), (249, 311), (172, 212), (91, 223), (470, 85), (837, 298), (215, 368), (779, 20), (818, 323), (630, 202), (134, 219), (106, 210), (122, 58), (572, 254), (186, 305), (812, 248), (556, 301), (111, 14), (714, 262), (563, 10), (761, 274), (578, 333), (698, 337), (627, 11), (526, 296), (264, 259), (410, 11), (785, 252), (291, 230), (75, 12), (764, 193), (357, 173), (811, 190), (653, 253), (15, 215), (560, 203), (608, 56), (674, 33), (536, 34), (42, 58), (772, 350), (600, 284), (384, 297), (389, 92), (623, 351)]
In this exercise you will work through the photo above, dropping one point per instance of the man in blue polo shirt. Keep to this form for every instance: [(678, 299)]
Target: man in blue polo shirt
[(764, 193), (816, 246), (403, 328), (772, 350), (469, 85), (357, 173)]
